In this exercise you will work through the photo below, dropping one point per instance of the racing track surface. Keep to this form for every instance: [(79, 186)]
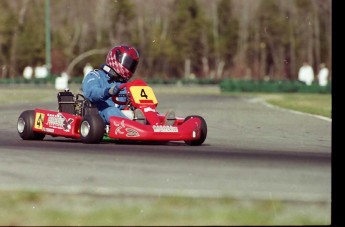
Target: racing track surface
[(252, 151)]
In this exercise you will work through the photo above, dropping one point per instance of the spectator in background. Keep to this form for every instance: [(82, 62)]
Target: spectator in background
[(28, 72), (41, 71), (87, 68), (306, 74), (323, 75)]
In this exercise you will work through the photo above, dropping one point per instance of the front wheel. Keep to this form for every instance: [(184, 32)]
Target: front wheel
[(203, 133), (92, 129), (24, 126)]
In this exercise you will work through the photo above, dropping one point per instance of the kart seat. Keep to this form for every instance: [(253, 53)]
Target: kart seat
[(89, 108), (83, 106), (66, 102)]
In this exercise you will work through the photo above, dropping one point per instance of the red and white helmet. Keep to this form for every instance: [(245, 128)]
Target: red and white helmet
[(123, 60)]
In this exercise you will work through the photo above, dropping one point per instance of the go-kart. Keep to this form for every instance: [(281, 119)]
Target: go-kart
[(77, 118)]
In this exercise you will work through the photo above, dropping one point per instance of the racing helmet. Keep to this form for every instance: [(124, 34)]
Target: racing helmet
[(123, 60)]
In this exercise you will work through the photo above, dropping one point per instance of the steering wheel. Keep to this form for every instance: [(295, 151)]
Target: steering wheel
[(121, 87)]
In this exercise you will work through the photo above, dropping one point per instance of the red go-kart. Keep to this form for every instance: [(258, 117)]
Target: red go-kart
[(77, 118)]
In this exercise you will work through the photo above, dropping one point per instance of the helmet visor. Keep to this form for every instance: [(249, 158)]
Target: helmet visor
[(127, 61)]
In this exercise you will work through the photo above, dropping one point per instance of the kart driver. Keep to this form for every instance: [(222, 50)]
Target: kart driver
[(100, 85)]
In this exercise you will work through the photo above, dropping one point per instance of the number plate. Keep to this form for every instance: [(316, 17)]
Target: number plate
[(143, 95), (39, 120)]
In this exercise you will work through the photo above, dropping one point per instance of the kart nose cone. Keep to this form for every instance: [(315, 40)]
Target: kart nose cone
[(84, 128), (21, 125)]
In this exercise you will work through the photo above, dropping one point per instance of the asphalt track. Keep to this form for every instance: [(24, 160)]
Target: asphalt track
[(252, 152)]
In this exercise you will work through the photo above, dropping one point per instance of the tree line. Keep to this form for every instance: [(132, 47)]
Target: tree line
[(213, 39)]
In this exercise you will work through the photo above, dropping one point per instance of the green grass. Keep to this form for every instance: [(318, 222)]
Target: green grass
[(319, 104), (34, 208), (30, 94)]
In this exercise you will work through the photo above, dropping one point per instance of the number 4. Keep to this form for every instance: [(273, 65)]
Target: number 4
[(143, 94)]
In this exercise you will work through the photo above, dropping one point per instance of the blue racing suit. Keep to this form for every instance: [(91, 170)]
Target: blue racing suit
[(95, 87)]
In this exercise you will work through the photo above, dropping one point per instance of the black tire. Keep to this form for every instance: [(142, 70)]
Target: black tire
[(92, 129), (203, 135), (24, 126)]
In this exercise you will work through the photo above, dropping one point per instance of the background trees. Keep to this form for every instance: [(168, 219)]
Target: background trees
[(253, 39)]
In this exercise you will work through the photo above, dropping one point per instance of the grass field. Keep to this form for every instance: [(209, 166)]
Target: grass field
[(319, 104), (43, 208)]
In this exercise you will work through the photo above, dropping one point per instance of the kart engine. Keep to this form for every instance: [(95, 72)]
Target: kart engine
[(76, 105)]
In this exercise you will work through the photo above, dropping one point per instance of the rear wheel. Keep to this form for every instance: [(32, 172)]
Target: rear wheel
[(92, 129), (24, 126), (203, 133)]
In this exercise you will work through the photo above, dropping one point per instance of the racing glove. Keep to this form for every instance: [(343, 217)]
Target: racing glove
[(116, 88)]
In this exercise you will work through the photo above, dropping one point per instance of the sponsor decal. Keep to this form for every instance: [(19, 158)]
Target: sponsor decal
[(39, 118), (149, 109), (59, 121), (130, 132), (48, 130), (119, 127), (164, 128)]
